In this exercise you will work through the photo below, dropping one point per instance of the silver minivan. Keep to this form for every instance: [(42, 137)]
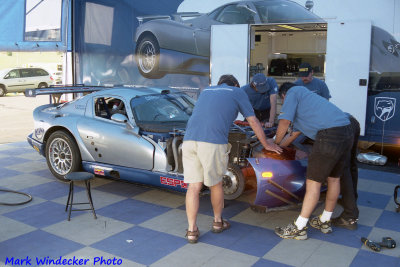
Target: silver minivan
[(19, 79)]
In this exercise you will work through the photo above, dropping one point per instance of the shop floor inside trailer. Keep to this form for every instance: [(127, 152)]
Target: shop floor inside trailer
[(142, 226)]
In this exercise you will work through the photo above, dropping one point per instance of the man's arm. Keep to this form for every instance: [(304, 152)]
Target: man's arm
[(283, 126), (258, 130), (289, 138), (272, 112)]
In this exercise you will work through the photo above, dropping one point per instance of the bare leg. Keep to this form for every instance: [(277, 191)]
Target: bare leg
[(311, 198), (192, 204), (332, 193), (217, 200)]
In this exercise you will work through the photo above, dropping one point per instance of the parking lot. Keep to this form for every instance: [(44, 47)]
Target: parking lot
[(145, 226), (16, 116)]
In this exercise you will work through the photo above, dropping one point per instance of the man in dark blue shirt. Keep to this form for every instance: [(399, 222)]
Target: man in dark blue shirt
[(262, 95), (313, 84), (206, 149)]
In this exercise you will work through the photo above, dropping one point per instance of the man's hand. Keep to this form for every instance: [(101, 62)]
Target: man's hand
[(268, 124), (271, 146), (268, 144)]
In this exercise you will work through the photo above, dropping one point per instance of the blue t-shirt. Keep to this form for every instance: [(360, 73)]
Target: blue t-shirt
[(310, 112), (260, 101), (214, 112), (317, 86)]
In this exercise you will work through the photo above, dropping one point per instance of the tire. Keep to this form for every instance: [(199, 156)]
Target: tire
[(43, 85), (148, 57), (62, 154), (233, 182), (3, 90)]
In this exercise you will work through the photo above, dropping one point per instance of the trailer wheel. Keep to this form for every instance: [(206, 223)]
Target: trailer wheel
[(233, 182), (148, 57), (62, 154)]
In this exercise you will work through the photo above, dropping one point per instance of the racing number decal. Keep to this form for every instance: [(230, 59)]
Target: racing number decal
[(172, 182)]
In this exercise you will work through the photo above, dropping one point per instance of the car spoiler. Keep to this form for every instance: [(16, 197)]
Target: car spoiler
[(54, 89), (176, 16)]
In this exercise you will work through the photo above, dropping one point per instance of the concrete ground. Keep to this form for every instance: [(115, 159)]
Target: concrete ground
[(145, 226), (16, 121)]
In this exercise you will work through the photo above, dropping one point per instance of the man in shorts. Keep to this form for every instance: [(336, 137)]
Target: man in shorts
[(330, 128), (206, 149)]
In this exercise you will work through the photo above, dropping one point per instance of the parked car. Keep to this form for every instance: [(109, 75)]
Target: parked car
[(135, 134), (57, 77), (19, 79), (175, 44)]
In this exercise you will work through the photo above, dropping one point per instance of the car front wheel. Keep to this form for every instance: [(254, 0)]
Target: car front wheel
[(62, 154), (233, 182), (148, 57), (3, 91)]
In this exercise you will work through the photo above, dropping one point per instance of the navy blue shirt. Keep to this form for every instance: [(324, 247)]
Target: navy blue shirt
[(214, 113), (261, 101), (310, 112), (317, 86)]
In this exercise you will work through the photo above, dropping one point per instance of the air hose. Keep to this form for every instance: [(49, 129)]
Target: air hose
[(18, 203)]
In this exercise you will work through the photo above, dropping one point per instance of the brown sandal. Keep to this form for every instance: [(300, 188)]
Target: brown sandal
[(221, 226), (194, 236)]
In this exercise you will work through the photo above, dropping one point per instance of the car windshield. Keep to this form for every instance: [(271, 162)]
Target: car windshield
[(162, 109), (284, 11)]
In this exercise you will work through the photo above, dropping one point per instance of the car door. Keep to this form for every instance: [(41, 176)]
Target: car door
[(28, 78), (112, 142), (14, 81)]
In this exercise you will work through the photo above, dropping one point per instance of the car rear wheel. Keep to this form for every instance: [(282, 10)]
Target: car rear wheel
[(43, 85), (62, 154), (3, 91), (148, 57), (233, 182)]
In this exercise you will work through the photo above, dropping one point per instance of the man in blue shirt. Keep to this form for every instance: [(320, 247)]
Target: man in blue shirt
[(206, 149), (330, 128), (311, 83), (262, 95)]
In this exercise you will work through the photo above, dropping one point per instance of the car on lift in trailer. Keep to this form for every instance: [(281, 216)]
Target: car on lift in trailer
[(181, 42), (135, 134)]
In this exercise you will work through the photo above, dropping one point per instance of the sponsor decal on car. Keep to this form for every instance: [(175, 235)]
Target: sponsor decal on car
[(98, 171), (39, 133), (172, 182)]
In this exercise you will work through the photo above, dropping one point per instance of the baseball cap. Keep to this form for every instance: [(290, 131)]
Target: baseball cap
[(304, 69), (260, 82)]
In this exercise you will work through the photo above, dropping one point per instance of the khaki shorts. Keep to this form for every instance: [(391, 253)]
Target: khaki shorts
[(204, 162)]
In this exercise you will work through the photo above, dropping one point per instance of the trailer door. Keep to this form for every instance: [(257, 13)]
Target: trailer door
[(229, 52), (347, 66)]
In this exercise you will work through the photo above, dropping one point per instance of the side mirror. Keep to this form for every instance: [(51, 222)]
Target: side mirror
[(119, 118)]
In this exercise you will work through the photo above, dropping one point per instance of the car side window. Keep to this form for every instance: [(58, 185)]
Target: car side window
[(234, 15), (27, 73), (105, 107), (40, 72), (12, 74)]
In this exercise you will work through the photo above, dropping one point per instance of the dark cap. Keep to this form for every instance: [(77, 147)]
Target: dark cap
[(304, 69), (260, 82)]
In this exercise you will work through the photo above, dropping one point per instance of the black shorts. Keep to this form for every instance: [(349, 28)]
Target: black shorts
[(330, 153)]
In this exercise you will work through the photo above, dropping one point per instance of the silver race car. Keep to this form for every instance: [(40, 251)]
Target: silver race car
[(135, 134), (181, 43)]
